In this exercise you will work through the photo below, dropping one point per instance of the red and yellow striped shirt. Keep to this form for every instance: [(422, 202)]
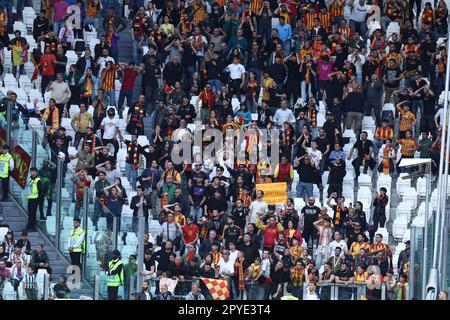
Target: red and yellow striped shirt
[(337, 8), (384, 133), (325, 19), (3, 22), (255, 6), (309, 20), (91, 8), (109, 79), (347, 32)]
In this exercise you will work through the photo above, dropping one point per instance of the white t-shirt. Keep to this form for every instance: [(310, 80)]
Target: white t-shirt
[(281, 116), (359, 12), (236, 71), (316, 156), (334, 244), (110, 127), (255, 208), (233, 256), (265, 267), (227, 267)]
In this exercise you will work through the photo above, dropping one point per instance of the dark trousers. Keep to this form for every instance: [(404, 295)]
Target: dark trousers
[(379, 219), (152, 94), (49, 207), (376, 106), (114, 143), (124, 95), (307, 234), (5, 188), (112, 293), (357, 164), (78, 136), (75, 259), (418, 8), (32, 209), (45, 81), (21, 70)]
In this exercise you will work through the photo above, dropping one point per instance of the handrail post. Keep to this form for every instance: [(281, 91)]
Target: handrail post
[(96, 287), (114, 231), (46, 287), (132, 286), (85, 228), (383, 292), (140, 236), (9, 123), (333, 292), (59, 183), (34, 142)]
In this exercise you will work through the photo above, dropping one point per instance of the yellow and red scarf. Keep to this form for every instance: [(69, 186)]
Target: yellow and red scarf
[(138, 115), (239, 272), (54, 117)]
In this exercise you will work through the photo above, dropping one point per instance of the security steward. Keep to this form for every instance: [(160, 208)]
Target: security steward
[(115, 275), (6, 168), (35, 194), (77, 242)]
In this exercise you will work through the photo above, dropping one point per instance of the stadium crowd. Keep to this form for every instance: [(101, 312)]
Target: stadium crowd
[(310, 69)]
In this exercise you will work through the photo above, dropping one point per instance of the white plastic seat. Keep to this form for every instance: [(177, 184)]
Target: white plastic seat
[(8, 291), (399, 226), (410, 195), (299, 203), (364, 180), (402, 184)]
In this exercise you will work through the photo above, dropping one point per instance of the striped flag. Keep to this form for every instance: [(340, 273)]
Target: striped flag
[(219, 289)]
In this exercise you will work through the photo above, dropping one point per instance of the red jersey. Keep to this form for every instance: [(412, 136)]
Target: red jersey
[(190, 232), (129, 78), (47, 63)]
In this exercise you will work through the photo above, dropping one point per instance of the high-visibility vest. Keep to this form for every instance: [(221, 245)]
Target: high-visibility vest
[(4, 165), (116, 279), (74, 235), (33, 192)]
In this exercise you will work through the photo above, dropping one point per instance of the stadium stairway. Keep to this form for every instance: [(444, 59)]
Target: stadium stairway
[(16, 219)]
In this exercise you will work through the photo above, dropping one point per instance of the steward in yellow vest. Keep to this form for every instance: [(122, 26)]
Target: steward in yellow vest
[(115, 275), (35, 194), (6, 167), (77, 242)]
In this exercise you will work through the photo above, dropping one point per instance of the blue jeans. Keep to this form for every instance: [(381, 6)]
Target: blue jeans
[(303, 90), (131, 174), (255, 292), (137, 53), (358, 26), (112, 97), (98, 211), (302, 187), (417, 105), (197, 213), (216, 83), (298, 292), (124, 94), (57, 25), (94, 21)]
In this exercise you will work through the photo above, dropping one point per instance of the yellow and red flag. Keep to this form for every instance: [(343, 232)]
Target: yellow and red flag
[(219, 289)]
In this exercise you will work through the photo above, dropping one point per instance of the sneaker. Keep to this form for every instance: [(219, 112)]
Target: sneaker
[(42, 218)]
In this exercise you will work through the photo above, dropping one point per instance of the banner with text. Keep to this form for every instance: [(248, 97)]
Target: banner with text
[(274, 193)]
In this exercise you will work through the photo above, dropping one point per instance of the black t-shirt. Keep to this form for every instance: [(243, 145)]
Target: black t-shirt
[(240, 215), (344, 275), (411, 65), (310, 216), (427, 47), (188, 58), (322, 143), (363, 147), (217, 204), (416, 86), (429, 105), (61, 68), (264, 116)]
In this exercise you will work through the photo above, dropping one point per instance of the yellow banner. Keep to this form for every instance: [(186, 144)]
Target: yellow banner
[(274, 193)]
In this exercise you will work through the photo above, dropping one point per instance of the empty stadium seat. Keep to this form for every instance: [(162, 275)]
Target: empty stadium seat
[(402, 184), (410, 195), (364, 180)]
